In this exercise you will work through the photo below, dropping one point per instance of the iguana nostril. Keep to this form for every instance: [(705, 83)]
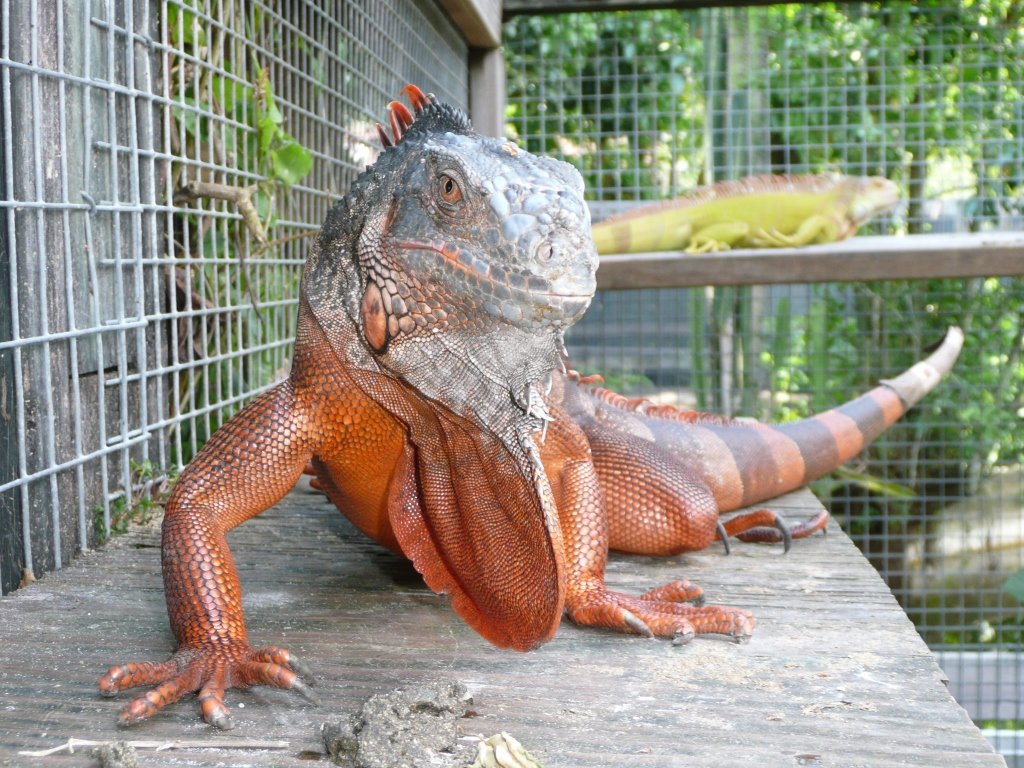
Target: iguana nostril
[(545, 252)]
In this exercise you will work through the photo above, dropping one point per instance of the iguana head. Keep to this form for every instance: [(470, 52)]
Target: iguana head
[(463, 233), (870, 196)]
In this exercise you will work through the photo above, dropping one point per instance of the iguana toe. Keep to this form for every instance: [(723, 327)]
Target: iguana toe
[(764, 525), (659, 617)]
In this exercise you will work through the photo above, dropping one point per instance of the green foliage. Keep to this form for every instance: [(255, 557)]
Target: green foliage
[(228, 119), (281, 157), (142, 506), (647, 104), (566, 98)]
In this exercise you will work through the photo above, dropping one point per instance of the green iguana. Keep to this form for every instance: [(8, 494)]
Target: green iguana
[(757, 212), (426, 396)]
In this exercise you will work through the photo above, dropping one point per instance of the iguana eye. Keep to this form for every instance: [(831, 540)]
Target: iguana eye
[(450, 191)]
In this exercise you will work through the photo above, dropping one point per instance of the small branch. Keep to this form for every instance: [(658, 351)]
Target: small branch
[(159, 746), (240, 196), (282, 240)]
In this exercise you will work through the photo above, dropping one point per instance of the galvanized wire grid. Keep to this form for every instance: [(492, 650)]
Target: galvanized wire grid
[(132, 333), (650, 104)]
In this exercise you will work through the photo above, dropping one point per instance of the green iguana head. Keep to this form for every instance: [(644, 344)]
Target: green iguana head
[(870, 197)]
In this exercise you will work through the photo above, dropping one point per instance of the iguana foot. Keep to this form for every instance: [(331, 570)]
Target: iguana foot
[(764, 525), (705, 245), (662, 612), (210, 670), (773, 239)]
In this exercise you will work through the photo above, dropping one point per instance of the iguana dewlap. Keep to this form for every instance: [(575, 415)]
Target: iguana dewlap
[(757, 212), (424, 394)]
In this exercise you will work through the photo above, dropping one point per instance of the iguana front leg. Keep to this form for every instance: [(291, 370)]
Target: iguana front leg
[(247, 466), (662, 611)]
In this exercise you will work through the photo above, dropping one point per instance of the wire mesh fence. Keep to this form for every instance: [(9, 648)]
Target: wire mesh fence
[(650, 104), (140, 317)]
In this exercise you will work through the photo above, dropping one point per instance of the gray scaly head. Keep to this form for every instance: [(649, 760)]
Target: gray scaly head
[(471, 258)]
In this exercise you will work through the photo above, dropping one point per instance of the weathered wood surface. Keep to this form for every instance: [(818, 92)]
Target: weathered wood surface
[(834, 670), (915, 257)]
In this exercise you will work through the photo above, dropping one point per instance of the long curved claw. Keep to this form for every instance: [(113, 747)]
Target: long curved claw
[(683, 637), (383, 136), (723, 536), (636, 624), (300, 669), (787, 537), (274, 654), (305, 692)]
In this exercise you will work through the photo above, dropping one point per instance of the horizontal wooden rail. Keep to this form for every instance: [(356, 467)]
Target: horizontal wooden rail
[(516, 7), (994, 254)]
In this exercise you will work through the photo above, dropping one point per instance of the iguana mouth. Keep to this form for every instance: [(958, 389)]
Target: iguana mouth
[(516, 297), (466, 261)]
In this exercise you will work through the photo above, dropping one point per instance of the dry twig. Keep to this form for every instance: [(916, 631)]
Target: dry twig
[(160, 746)]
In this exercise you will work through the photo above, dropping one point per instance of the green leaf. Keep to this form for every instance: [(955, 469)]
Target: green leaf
[(876, 485), (1015, 585), (268, 132), (273, 113), (291, 163)]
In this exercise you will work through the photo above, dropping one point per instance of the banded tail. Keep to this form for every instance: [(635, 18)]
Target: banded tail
[(744, 463)]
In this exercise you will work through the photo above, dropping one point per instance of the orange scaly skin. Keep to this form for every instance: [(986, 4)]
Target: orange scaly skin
[(422, 397)]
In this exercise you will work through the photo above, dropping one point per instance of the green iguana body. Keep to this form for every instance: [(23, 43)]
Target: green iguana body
[(758, 212)]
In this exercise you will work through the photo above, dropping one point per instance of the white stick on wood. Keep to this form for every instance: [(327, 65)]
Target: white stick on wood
[(159, 746)]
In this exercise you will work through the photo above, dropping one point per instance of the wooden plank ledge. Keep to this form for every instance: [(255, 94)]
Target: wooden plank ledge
[(915, 257), (835, 673)]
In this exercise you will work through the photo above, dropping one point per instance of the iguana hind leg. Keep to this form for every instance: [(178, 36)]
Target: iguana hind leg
[(584, 520), (720, 236), (815, 229)]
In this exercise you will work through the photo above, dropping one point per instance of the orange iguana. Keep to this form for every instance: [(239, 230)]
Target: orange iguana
[(758, 212), (425, 395)]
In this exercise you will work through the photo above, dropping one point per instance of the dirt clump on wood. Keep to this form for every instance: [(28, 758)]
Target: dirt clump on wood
[(406, 728)]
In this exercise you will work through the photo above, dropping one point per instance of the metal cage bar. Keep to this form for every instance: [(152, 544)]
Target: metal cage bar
[(128, 330)]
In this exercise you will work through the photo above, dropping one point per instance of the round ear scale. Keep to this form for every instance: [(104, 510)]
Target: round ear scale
[(419, 100)]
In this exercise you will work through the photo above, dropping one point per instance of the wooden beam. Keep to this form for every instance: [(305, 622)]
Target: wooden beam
[(533, 7), (487, 90), (478, 20), (835, 674), (994, 254)]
